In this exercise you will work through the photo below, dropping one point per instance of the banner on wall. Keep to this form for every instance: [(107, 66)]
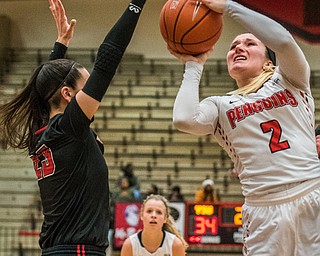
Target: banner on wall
[(177, 210), (300, 17), (127, 222)]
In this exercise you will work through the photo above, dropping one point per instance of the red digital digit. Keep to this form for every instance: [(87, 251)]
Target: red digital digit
[(275, 143), (200, 225), (204, 223), (212, 223), (43, 163)]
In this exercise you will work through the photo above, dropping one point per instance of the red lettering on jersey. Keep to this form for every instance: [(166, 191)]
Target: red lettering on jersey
[(267, 103), (43, 163), (232, 118), (292, 100), (281, 98), (274, 101), (247, 110), (257, 106), (239, 113)]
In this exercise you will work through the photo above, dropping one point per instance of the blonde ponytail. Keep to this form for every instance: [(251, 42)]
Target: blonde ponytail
[(256, 84)]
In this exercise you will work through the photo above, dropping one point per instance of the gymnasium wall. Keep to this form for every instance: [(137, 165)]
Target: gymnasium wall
[(32, 26)]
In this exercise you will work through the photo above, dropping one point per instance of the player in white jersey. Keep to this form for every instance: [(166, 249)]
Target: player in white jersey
[(164, 249), (159, 236), (267, 128)]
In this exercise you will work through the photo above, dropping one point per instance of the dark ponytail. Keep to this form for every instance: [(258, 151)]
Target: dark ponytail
[(30, 109)]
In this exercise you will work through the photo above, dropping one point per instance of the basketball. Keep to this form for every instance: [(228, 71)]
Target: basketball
[(189, 26)]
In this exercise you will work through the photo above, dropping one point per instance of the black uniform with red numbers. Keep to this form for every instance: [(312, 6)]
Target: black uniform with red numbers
[(73, 182), (69, 161)]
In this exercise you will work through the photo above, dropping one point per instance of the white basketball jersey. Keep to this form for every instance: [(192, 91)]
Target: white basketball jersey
[(269, 135), (164, 250)]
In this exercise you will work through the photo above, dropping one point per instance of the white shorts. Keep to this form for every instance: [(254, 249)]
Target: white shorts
[(291, 228)]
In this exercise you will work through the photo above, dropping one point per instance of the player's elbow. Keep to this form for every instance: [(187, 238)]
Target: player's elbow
[(181, 124), (187, 126), (191, 126)]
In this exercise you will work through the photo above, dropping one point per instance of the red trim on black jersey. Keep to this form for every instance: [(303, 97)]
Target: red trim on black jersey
[(41, 130)]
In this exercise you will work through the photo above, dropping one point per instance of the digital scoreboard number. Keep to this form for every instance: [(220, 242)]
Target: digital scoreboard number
[(214, 224)]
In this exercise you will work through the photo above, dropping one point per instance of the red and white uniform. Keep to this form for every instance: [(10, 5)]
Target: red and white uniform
[(269, 135), (165, 248)]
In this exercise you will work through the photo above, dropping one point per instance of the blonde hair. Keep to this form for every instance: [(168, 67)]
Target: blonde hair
[(257, 83), (169, 225)]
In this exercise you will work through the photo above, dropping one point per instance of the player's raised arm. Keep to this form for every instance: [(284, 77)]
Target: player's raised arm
[(65, 30), (108, 58)]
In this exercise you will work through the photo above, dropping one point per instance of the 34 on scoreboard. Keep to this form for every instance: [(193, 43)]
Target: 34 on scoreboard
[(213, 224)]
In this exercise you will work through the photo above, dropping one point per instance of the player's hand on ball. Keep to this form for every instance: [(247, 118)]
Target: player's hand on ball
[(200, 58), (214, 5)]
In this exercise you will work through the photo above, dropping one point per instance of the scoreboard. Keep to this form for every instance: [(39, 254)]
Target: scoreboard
[(213, 224), (200, 223)]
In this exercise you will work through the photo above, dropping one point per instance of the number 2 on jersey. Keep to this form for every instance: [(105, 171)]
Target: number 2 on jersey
[(275, 144)]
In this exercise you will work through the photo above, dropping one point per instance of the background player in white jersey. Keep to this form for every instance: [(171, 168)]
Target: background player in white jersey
[(159, 236), (267, 128)]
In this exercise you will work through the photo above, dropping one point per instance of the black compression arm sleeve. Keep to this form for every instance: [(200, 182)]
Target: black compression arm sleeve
[(58, 51), (111, 51)]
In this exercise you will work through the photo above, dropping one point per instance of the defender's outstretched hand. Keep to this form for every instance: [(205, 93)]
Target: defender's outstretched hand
[(64, 28)]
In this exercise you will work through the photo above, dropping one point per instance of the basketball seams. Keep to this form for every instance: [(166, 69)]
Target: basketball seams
[(176, 21), (188, 29), (193, 27), (163, 22)]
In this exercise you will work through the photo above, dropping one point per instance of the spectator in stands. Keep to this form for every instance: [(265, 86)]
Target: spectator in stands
[(218, 195), (175, 195), (267, 128), (226, 183), (124, 193), (206, 193), (134, 183), (51, 119), (153, 190), (159, 236)]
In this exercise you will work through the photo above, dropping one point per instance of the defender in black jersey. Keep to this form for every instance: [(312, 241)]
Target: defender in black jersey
[(51, 118)]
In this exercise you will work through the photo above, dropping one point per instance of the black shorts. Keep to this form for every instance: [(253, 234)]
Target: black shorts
[(74, 250)]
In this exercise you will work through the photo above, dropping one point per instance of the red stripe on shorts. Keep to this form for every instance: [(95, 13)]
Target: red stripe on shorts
[(78, 250)]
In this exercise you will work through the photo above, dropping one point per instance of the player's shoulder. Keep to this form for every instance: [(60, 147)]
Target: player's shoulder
[(178, 247), (126, 249)]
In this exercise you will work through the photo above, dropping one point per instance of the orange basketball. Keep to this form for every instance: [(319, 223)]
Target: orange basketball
[(189, 26)]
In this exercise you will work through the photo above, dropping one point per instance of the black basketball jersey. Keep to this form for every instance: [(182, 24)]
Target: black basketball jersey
[(73, 181)]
